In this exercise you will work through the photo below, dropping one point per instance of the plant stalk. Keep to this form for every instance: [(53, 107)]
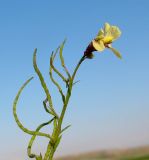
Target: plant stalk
[(55, 135)]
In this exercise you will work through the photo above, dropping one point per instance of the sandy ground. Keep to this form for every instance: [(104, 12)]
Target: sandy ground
[(140, 153)]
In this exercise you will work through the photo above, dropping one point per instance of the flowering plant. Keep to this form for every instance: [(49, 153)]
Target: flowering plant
[(103, 40)]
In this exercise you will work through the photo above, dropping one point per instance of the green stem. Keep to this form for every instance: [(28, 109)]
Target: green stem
[(69, 91), (49, 153), (77, 67), (51, 146)]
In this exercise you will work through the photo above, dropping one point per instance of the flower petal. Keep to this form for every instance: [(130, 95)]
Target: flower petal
[(115, 32), (116, 52), (100, 35), (101, 32), (107, 39), (106, 28), (99, 46)]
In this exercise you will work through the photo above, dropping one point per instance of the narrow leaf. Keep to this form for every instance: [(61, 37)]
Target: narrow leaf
[(61, 53), (62, 59), (43, 84), (65, 128), (20, 125)]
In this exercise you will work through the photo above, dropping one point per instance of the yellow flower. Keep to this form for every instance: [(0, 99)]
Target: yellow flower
[(105, 37)]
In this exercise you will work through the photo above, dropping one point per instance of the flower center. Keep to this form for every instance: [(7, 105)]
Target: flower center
[(107, 39)]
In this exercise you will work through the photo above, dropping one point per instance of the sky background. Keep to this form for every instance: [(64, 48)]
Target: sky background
[(109, 107)]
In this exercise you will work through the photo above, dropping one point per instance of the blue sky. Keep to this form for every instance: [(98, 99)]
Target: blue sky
[(109, 107)]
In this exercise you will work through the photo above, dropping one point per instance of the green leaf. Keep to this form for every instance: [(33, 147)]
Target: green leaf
[(61, 53), (31, 155), (43, 83), (65, 128), (62, 59)]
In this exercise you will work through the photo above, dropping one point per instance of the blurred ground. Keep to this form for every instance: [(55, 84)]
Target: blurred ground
[(140, 153)]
